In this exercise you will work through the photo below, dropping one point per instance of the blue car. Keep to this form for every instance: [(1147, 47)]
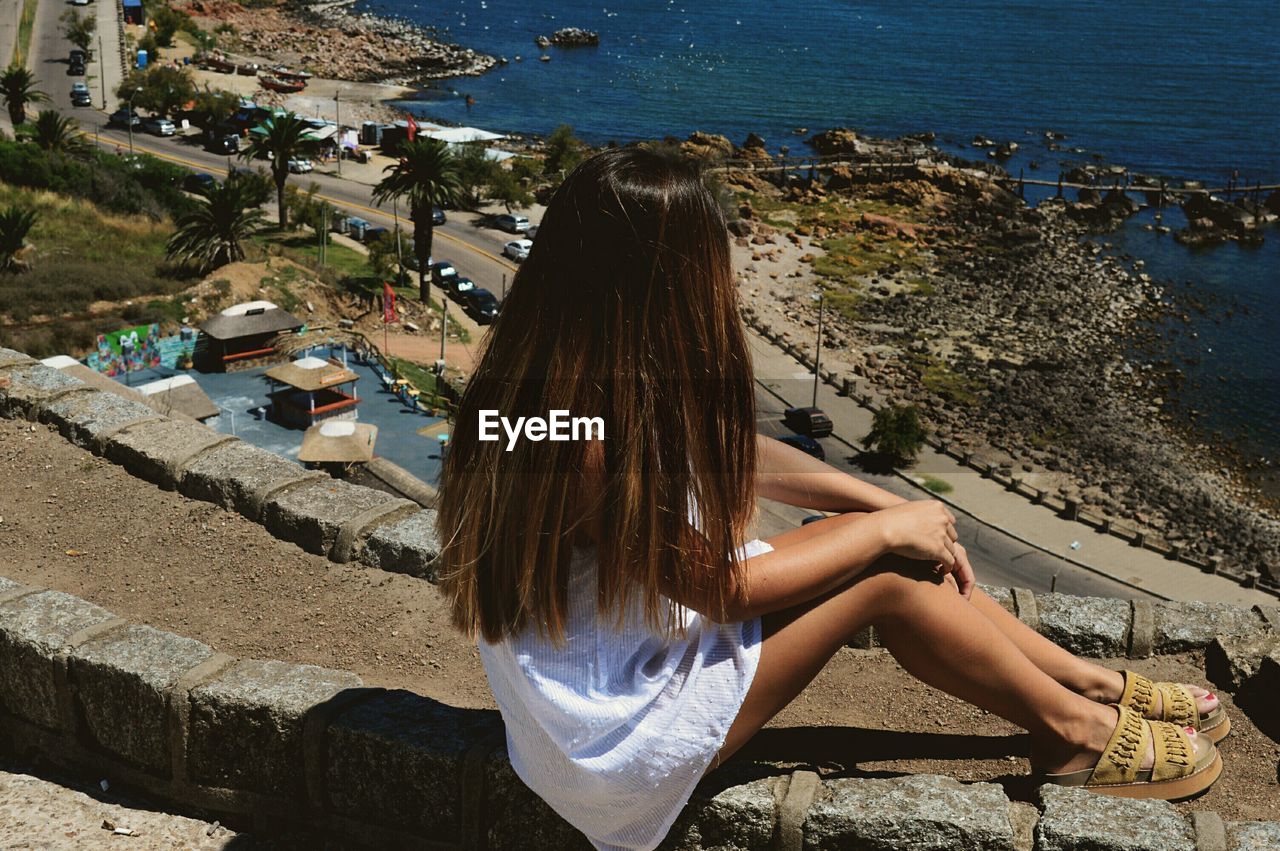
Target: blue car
[(805, 444)]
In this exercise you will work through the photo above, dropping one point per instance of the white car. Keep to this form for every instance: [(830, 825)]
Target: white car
[(512, 223), (79, 2), (517, 249), (159, 126), (300, 165)]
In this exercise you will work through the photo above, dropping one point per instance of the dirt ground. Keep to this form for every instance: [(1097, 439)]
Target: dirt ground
[(155, 557)]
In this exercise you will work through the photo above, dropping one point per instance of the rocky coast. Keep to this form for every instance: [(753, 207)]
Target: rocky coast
[(1013, 332), (332, 41)]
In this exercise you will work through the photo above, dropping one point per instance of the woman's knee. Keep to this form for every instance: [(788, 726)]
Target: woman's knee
[(904, 590)]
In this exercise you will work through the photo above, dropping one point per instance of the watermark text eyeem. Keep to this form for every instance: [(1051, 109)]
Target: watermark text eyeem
[(557, 426)]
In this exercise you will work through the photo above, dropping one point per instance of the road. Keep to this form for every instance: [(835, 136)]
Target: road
[(998, 558)]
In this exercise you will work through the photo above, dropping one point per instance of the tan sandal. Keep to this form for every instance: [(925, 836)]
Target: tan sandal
[(1176, 773), (1177, 706)]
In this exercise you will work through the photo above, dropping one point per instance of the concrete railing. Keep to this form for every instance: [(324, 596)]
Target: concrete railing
[(275, 746)]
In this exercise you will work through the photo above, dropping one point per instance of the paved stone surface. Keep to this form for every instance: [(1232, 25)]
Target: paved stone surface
[(407, 546), (312, 515), (739, 818), (36, 813), (391, 753), (246, 725), (1191, 626), (1087, 626), (917, 812), (126, 675), (1075, 820), (231, 474), (84, 417), (33, 630)]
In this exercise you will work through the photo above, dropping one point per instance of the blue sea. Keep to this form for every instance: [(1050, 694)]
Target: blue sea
[(1181, 88)]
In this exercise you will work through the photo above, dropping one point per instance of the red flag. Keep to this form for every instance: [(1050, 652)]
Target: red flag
[(388, 303), (413, 128)]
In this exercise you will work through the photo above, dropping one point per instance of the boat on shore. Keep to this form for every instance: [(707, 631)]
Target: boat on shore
[(276, 84), (281, 72)]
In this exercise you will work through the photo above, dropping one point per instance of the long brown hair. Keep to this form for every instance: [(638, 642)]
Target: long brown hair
[(626, 309)]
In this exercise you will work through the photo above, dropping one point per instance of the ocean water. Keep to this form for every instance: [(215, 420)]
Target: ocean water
[(1181, 88)]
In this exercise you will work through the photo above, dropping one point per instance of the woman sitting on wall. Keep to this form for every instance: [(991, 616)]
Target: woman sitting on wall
[(631, 639)]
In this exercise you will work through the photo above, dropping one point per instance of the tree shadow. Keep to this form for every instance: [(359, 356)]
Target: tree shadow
[(877, 463)]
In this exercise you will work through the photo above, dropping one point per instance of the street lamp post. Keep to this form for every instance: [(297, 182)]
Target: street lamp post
[(337, 114), (817, 354), (129, 118), (102, 71)]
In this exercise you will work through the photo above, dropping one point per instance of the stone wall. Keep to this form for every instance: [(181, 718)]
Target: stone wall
[(273, 746)]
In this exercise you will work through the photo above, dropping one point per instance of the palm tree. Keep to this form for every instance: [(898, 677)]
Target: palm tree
[(427, 175), (15, 224), (57, 134), (279, 139), (18, 86), (215, 233)]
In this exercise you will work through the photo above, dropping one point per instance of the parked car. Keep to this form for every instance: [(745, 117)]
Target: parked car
[(481, 305), (458, 287), (124, 117), (532, 231), (437, 216), (75, 68), (805, 444), (512, 223), (811, 422), (300, 165), (158, 126), (77, 56), (199, 182), (443, 273), (79, 2), (375, 233), (517, 249), (223, 144), (80, 95)]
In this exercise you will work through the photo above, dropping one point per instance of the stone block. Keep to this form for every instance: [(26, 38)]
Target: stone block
[(736, 818), (1001, 595), (85, 418), (312, 515), (1192, 626), (1076, 819), (33, 633), (12, 356), (246, 725), (1253, 835), (389, 754), (516, 819), (1230, 661), (233, 474), (920, 812), (157, 451), (407, 546), (1087, 626), (122, 684), (28, 386)]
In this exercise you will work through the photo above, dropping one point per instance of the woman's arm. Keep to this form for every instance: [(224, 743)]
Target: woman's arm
[(786, 474), (922, 530)]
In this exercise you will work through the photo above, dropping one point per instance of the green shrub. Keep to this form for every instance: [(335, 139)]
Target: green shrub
[(896, 434)]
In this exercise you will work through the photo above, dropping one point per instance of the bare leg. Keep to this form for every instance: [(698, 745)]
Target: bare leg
[(917, 615)]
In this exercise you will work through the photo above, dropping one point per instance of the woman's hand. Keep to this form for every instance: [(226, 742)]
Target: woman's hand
[(922, 529)]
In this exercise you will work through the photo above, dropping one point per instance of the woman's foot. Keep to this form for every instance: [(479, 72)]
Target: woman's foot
[(1092, 740), (1110, 686)]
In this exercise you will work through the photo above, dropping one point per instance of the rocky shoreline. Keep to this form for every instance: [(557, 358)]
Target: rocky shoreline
[(332, 41), (1015, 335)]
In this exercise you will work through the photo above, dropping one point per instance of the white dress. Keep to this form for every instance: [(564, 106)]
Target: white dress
[(615, 728)]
